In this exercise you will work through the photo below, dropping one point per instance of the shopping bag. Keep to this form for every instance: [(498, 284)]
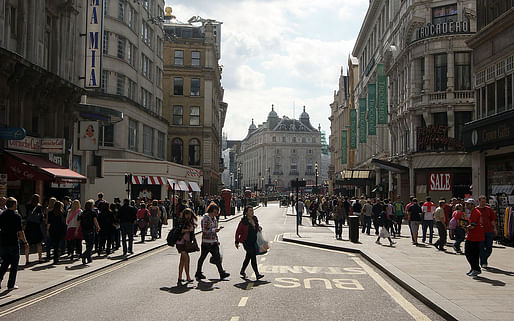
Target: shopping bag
[(262, 245), (384, 233)]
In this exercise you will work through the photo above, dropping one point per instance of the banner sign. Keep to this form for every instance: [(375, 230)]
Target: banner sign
[(53, 145), (436, 135), (440, 182), (38, 145), (94, 39), (372, 111), (88, 135), (362, 121), (344, 146), (353, 128), (382, 95)]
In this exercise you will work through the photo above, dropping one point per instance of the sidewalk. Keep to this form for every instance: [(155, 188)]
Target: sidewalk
[(436, 278), (38, 277)]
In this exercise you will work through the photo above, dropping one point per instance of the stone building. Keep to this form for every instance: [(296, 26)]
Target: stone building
[(193, 98), (279, 150), (490, 136)]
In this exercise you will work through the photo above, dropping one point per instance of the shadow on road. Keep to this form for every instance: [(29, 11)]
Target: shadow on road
[(178, 289), (248, 285), (492, 282), (499, 271), (207, 285), (77, 267)]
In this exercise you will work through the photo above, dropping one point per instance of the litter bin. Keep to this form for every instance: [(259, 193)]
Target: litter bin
[(353, 228)]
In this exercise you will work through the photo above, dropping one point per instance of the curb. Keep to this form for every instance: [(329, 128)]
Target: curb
[(432, 299)]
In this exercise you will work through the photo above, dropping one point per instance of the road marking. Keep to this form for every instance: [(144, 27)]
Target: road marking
[(78, 282), (243, 301), (263, 259), (249, 286), (317, 248), (406, 305), (234, 319)]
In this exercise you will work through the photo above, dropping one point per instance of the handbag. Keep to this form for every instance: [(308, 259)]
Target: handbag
[(261, 245), (192, 246)]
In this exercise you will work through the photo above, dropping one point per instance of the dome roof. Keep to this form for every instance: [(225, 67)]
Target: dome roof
[(272, 113), (252, 126), (304, 115)]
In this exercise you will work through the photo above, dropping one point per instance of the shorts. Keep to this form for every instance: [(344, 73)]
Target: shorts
[(414, 225), (181, 247)]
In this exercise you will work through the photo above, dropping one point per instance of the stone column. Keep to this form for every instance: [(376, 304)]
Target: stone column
[(451, 121), (450, 72)]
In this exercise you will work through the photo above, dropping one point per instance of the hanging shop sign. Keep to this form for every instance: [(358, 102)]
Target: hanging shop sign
[(445, 28), (362, 121), (440, 182), (344, 146), (382, 95), (436, 135), (372, 111), (353, 128), (94, 36)]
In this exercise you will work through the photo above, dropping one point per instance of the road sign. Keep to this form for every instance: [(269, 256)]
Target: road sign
[(12, 133)]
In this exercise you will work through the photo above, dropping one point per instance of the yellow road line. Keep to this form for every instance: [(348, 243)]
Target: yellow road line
[(406, 305), (234, 319), (78, 282), (243, 301)]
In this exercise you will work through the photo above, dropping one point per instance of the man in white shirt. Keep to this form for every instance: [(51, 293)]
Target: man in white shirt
[(428, 219)]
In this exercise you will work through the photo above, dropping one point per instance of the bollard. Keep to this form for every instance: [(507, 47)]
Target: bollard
[(353, 228)]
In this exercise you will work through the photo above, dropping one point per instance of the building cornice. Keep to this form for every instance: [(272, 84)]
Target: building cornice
[(500, 24), (370, 18)]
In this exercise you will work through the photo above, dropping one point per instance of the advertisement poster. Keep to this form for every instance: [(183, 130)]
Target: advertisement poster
[(88, 135)]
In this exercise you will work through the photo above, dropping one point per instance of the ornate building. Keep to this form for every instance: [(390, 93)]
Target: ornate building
[(279, 151), (193, 99)]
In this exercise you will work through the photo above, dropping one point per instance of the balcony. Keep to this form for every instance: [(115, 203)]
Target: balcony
[(293, 172), (465, 94), (437, 96)]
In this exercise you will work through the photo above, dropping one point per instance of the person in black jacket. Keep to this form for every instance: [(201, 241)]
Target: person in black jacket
[(377, 209), (106, 221), (56, 228), (127, 217)]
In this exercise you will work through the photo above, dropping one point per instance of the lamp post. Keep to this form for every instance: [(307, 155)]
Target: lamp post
[(269, 176), (316, 169), (239, 177), (231, 176), (262, 183)]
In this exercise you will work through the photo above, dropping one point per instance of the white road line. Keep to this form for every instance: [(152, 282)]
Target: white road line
[(234, 319), (243, 301), (263, 259), (317, 248), (406, 305)]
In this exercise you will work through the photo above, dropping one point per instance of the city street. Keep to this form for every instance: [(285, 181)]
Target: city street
[(300, 282)]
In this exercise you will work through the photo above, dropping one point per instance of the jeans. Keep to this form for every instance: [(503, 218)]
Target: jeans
[(89, 238), (339, 227), (397, 225), (441, 230), (251, 255), (207, 248), (117, 238), (472, 250), (376, 224), (430, 225), (299, 216), (366, 226), (460, 234), (127, 231), (10, 257), (486, 248)]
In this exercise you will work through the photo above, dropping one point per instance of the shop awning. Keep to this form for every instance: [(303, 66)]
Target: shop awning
[(33, 167), (354, 177), (194, 187), (183, 186), (179, 185), (500, 189), (389, 166), (151, 180)]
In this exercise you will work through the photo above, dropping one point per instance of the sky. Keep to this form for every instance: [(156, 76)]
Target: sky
[(288, 53)]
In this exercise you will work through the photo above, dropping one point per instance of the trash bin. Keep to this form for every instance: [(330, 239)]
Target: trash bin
[(353, 228)]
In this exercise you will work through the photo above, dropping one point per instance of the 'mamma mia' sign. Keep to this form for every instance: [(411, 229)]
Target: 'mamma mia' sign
[(94, 36)]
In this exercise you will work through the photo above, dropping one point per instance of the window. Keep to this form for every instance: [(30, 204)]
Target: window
[(13, 22), (159, 47), (146, 66), (132, 135), (146, 34), (158, 106), (440, 119), (105, 48), (179, 57), (178, 115), (131, 54), (120, 84), (304, 140), (177, 150), (106, 137), (146, 98), (490, 99), (509, 91), (147, 140), (178, 86), (195, 86), (309, 151), (461, 117), (132, 18), (274, 139), (195, 58), (104, 81), (194, 115), (132, 89), (314, 139), (444, 14), (121, 10), (161, 141), (462, 71), (440, 68), (294, 167), (194, 152), (158, 77), (294, 139), (500, 94), (283, 139), (121, 47)]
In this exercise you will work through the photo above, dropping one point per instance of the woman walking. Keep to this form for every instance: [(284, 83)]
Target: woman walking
[(143, 218), (33, 229), (56, 228), (461, 221), (154, 219), (73, 233), (88, 225), (246, 233), (106, 221), (187, 243), (338, 219)]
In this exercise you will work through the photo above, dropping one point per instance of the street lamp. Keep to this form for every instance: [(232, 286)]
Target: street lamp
[(231, 176), (262, 183), (316, 169)]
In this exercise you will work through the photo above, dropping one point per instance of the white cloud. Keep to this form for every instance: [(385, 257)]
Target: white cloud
[(249, 79)]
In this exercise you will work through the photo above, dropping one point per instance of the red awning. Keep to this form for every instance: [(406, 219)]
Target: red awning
[(151, 180), (33, 167)]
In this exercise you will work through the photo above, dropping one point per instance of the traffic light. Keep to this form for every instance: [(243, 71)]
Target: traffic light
[(128, 178)]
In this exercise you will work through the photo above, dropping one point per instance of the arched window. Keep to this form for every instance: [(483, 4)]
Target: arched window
[(194, 152), (177, 151)]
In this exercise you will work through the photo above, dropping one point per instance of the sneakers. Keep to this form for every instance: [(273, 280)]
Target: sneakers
[(199, 276), (378, 242), (259, 276), (14, 287), (473, 273), (484, 266), (224, 275)]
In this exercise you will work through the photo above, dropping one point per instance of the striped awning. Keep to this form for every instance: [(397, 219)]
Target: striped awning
[(183, 186), (152, 180), (194, 187)]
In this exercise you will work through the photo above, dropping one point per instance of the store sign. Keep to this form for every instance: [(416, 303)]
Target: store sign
[(372, 110), (499, 133), (38, 145), (94, 36), (362, 121), (440, 182), (436, 135), (353, 128), (53, 145), (450, 27)]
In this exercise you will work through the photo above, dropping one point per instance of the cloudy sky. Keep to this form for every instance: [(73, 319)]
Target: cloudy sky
[(283, 52)]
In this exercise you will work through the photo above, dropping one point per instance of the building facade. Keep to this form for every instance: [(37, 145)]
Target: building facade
[(193, 99), (278, 151), (490, 136)]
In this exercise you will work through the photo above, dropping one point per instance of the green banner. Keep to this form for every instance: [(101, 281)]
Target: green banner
[(382, 95), (344, 146), (372, 110), (353, 128), (362, 121)]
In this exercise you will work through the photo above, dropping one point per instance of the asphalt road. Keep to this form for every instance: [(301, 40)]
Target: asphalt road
[(300, 283)]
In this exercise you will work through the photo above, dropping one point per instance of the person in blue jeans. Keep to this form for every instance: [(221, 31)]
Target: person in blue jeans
[(367, 212), (127, 217), (89, 225)]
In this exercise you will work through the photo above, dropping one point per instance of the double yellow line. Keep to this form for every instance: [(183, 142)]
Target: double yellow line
[(78, 282)]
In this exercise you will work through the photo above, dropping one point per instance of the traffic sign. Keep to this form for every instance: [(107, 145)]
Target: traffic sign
[(12, 133)]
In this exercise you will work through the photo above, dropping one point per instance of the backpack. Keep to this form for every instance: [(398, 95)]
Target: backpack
[(174, 235)]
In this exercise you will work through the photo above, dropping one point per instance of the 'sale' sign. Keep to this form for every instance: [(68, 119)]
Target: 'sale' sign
[(440, 182)]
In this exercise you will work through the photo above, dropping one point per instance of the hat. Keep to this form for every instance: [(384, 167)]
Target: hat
[(470, 200)]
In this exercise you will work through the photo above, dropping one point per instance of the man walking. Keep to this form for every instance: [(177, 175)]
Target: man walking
[(210, 242), (367, 212), (398, 216), (414, 216), (127, 216), (488, 219), (377, 209), (428, 219), (299, 210), (474, 238), (10, 233), (440, 223)]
